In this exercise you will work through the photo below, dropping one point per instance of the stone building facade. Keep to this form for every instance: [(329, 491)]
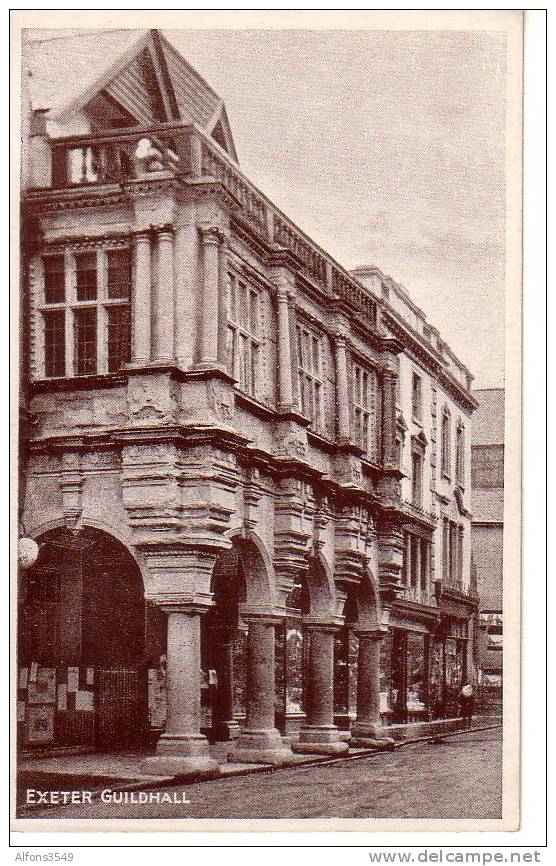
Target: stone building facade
[(487, 534), (248, 470)]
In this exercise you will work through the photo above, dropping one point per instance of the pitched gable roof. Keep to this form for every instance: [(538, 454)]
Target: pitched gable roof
[(140, 71)]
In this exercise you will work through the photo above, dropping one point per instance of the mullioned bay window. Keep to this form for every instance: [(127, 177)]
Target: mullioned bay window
[(244, 334), (365, 410), (310, 373), (417, 566), (452, 553), (82, 312)]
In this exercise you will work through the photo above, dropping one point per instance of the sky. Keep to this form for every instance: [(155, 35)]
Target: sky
[(386, 148)]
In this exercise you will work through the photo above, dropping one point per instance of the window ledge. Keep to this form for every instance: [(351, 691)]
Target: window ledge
[(78, 383), (255, 406), (322, 442)]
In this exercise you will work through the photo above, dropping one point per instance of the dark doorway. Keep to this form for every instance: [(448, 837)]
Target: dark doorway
[(83, 673)]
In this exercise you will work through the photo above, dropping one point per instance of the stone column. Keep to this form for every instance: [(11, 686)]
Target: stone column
[(407, 555), (367, 729), (164, 310), (222, 302), (389, 419), (186, 254), (210, 306), (284, 350), (260, 742), (417, 563), (224, 725), (320, 735), (141, 299), (182, 750), (342, 392)]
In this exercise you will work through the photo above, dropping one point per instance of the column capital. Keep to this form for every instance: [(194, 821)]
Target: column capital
[(262, 615), (174, 603), (326, 624), (212, 234), (375, 633), (341, 339), (165, 229), (141, 236)]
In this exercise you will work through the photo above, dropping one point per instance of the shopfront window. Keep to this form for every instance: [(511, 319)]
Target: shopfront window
[(436, 685), (386, 704), (455, 674), (416, 673)]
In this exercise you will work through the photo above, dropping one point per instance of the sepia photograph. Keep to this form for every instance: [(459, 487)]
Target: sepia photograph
[(267, 279)]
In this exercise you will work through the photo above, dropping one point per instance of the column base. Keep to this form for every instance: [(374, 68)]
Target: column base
[(181, 767), (263, 746), (223, 731), (371, 730), (320, 740), (386, 743), (185, 755)]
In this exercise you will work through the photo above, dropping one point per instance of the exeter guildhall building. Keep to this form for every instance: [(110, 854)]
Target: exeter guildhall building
[(247, 470)]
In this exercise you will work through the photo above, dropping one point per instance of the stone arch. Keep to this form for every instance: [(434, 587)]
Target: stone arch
[(257, 567), (118, 531), (368, 602), (83, 608), (320, 584)]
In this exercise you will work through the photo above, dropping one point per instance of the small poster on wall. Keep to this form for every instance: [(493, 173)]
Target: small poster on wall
[(62, 696), (40, 724), (43, 689), (85, 701), (73, 679)]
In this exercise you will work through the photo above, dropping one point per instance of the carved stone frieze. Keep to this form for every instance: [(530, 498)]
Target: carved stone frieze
[(348, 470), (221, 400), (390, 556), (150, 398)]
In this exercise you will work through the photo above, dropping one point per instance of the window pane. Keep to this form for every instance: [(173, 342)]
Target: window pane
[(85, 342), (243, 306), (86, 276), (54, 280), (55, 343), (119, 273), (230, 351), (118, 338), (253, 313), (316, 359), (232, 297)]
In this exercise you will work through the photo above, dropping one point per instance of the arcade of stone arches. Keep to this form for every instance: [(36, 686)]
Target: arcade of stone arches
[(120, 671)]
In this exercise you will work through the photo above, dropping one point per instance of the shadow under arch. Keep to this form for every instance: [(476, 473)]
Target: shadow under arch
[(368, 603), (320, 587), (110, 529), (83, 609)]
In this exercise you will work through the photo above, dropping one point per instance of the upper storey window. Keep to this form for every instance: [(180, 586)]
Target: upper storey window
[(244, 334), (310, 374), (365, 408), (417, 398), (54, 279), (84, 312), (86, 276), (460, 454), (445, 443)]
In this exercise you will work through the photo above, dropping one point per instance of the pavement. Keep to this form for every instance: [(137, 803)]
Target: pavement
[(455, 776)]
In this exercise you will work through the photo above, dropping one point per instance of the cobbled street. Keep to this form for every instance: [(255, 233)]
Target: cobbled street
[(457, 778)]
